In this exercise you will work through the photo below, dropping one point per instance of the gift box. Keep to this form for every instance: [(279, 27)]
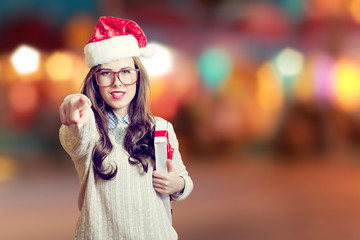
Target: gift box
[(163, 152)]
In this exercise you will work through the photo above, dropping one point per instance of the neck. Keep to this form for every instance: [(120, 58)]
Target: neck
[(121, 112)]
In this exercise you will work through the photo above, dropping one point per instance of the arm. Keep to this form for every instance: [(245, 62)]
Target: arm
[(78, 135), (177, 180)]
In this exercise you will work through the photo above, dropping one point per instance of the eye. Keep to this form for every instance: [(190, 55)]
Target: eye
[(105, 73), (126, 71)]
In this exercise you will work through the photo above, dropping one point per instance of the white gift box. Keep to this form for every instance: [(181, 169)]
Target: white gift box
[(161, 157)]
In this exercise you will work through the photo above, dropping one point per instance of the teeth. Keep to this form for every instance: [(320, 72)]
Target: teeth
[(118, 94)]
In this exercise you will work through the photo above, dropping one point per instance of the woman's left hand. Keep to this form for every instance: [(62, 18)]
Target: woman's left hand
[(168, 183)]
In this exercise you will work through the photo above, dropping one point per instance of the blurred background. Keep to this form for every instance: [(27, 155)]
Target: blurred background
[(264, 96)]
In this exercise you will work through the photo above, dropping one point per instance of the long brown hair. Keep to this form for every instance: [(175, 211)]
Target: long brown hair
[(139, 137)]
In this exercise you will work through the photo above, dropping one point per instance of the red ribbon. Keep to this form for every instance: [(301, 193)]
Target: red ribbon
[(170, 150)]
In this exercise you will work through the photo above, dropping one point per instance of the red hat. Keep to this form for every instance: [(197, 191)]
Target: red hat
[(114, 39)]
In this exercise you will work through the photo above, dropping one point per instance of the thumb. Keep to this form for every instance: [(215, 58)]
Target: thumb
[(170, 166)]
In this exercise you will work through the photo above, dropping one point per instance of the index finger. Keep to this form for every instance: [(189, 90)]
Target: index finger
[(158, 174), (82, 103)]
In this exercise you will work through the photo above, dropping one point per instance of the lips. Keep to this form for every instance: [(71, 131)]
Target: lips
[(117, 94)]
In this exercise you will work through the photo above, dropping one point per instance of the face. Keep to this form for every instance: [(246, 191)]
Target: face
[(118, 96)]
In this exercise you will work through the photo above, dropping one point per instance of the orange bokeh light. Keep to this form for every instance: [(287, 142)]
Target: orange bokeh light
[(59, 66), (269, 92), (355, 10), (23, 97)]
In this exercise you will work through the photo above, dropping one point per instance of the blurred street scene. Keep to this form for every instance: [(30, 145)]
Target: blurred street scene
[(264, 96)]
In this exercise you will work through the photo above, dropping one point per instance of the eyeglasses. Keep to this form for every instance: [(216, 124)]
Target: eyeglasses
[(106, 77)]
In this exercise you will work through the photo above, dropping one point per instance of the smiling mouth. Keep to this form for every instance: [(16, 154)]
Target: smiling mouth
[(117, 95)]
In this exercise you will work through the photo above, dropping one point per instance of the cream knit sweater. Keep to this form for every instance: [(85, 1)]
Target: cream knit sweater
[(126, 207)]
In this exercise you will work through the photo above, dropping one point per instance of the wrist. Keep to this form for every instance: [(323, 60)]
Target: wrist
[(181, 187)]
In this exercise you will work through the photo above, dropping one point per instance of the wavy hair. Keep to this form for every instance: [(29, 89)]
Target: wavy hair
[(139, 137)]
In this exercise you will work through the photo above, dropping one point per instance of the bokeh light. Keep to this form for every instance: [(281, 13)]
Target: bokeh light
[(25, 59), (270, 92), (355, 10), (324, 78), (347, 84), (215, 66), (60, 66), (161, 63), (289, 62), (7, 169), (23, 97), (304, 89)]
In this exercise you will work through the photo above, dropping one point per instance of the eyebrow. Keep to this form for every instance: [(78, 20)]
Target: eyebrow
[(116, 71)]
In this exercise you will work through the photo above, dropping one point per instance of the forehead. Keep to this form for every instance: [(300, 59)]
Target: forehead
[(119, 64)]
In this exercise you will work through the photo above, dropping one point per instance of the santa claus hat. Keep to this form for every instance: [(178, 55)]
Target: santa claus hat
[(114, 39)]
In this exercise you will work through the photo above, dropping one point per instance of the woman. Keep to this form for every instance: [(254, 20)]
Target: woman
[(109, 133)]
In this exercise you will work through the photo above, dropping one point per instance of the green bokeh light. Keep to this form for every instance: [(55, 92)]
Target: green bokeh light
[(214, 66)]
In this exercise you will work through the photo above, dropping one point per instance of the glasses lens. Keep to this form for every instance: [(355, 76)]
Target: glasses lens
[(128, 76), (105, 78)]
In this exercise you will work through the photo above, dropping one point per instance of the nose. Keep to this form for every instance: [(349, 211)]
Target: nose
[(117, 81)]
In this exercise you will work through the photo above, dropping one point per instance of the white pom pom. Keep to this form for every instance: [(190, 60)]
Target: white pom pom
[(148, 51)]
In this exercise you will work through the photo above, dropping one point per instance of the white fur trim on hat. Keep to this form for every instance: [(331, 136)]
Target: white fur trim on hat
[(115, 48), (111, 49), (148, 51)]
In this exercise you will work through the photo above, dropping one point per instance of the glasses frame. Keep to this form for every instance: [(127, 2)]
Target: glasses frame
[(116, 74)]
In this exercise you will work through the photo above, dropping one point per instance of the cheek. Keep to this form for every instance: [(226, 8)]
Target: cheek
[(102, 93), (132, 91)]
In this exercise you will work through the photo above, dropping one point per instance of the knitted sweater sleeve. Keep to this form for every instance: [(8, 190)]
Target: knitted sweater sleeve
[(179, 166), (79, 144)]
